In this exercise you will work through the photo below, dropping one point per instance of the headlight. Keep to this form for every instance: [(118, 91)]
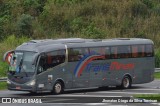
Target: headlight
[(31, 83), (8, 82)]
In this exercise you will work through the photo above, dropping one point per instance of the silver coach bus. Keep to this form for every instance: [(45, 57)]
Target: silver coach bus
[(75, 63)]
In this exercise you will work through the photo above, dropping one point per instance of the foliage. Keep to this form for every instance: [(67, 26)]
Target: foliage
[(80, 18), (24, 25), (21, 20), (157, 75), (157, 58), (4, 19), (69, 2), (3, 69), (91, 31), (138, 9), (148, 3), (3, 85)]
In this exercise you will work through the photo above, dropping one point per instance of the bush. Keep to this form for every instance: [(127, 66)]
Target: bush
[(24, 25), (149, 3), (140, 35), (156, 10), (157, 58), (139, 9), (69, 2), (3, 69), (91, 31)]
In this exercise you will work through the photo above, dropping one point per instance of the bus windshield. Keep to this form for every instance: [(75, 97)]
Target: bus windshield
[(21, 62)]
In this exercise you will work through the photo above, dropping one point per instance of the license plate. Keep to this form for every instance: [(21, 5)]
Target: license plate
[(18, 87)]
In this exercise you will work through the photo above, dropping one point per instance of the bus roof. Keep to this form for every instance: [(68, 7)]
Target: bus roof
[(55, 44)]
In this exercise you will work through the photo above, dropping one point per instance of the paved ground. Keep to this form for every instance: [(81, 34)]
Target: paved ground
[(89, 97)]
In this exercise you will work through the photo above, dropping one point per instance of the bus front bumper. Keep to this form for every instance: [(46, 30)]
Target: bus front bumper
[(21, 87)]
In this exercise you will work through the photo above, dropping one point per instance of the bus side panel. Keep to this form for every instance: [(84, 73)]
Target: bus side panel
[(144, 70), (51, 75), (78, 80), (118, 69)]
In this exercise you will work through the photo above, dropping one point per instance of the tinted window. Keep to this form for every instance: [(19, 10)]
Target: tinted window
[(97, 50), (51, 59), (114, 52), (149, 50), (75, 54), (107, 52), (138, 51), (141, 52), (134, 51), (55, 58), (124, 51)]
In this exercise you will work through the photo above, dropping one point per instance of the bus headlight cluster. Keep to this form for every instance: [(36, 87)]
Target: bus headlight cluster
[(31, 83)]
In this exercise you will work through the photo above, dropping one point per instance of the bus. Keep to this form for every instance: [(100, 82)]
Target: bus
[(55, 65)]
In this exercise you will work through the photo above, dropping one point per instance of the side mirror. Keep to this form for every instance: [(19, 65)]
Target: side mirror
[(35, 58), (8, 56)]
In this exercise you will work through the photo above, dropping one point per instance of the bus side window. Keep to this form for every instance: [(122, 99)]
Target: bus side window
[(134, 51), (149, 50), (76, 54), (70, 54), (97, 51), (124, 51), (141, 52), (114, 53), (107, 52), (102, 51), (42, 64), (52, 59)]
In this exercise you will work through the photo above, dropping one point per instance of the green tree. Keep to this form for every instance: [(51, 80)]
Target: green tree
[(24, 25)]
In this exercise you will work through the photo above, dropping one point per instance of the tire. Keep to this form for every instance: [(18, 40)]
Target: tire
[(126, 83), (57, 88)]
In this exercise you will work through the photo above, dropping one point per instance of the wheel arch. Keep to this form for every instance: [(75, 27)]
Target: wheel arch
[(61, 81), (128, 75)]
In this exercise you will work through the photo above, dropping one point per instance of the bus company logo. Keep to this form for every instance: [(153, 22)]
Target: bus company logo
[(85, 62)]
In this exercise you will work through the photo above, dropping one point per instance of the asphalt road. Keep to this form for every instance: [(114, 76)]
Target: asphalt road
[(89, 97)]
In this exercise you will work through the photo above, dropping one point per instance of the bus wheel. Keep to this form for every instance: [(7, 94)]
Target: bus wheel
[(126, 82), (57, 88)]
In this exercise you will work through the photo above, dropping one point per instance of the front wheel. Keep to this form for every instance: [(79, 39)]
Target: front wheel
[(57, 88), (126, 82)]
